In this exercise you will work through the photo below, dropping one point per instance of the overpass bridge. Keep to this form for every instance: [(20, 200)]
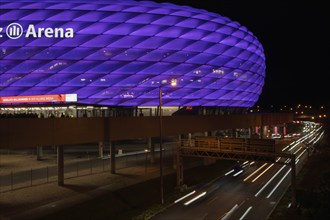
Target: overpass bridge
[(239, 149)]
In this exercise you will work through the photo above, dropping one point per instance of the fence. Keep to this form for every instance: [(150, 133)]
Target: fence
[(32, 177)]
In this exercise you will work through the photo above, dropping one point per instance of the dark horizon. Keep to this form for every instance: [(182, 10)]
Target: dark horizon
[(294, 35)]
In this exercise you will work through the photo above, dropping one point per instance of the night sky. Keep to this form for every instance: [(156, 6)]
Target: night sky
[(295, 36)]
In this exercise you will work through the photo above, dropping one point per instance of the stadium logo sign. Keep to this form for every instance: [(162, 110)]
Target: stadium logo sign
[(15, 31)]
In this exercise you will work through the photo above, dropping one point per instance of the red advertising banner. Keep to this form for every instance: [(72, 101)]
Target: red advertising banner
[(38, 98)]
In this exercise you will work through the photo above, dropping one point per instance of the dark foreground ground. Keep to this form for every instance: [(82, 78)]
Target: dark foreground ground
[(313, 187), (134, 202)]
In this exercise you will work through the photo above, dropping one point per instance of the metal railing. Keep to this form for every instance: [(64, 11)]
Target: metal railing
[(13, 180)]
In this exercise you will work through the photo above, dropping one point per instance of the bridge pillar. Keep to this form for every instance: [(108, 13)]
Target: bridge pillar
[(39, 153), (101, 148), (189, 138), (112, 157), (257, 131), (264, 131), (249, 132), (151, 145), (60, 166), (284, 129), (179, 170)]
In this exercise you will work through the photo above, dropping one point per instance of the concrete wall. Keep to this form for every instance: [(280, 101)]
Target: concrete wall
[(31, 132)]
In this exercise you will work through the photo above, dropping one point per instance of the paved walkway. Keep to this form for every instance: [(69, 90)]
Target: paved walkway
[(34, 202)]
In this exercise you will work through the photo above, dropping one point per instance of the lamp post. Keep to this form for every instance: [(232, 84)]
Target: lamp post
[(160, 146), (173, 84)]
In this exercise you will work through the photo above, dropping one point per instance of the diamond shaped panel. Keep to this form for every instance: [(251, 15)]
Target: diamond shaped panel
[(123, 51)]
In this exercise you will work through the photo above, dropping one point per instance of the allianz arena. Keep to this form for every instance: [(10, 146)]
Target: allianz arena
[(119, 53)]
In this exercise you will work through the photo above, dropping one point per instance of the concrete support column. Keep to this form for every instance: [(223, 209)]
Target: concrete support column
[(101, 149), (204, 111), (264, 131), (257, 131), (284, 130), (39, 153), (179, 170), (249, 132), (237, 134), (112, 157), (151, 145), (189, 139), (275, 130), (60, 165), (175, 151)]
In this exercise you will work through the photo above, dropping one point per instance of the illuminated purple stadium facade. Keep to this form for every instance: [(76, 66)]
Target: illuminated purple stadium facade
[(121, 52)]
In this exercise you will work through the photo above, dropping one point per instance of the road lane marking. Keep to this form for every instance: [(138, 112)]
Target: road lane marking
[(203, 216), (245, 213), (212, 200)]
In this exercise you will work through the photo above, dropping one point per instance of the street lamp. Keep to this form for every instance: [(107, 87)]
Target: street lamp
[(173, 84), (160, 146)]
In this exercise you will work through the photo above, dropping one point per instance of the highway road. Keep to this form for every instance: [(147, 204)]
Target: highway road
[(249, 193)]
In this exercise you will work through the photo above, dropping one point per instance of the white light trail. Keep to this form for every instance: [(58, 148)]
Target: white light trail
[(195, 198), (263, 172), (245, 213), (254, 172), (269, 181), (312, 140), (238, 173), (288, 146), (183, 197), (277, 185), (318, 138), (229, 172), (230, 212), (297, 150), (295, 145), (300, 154)]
